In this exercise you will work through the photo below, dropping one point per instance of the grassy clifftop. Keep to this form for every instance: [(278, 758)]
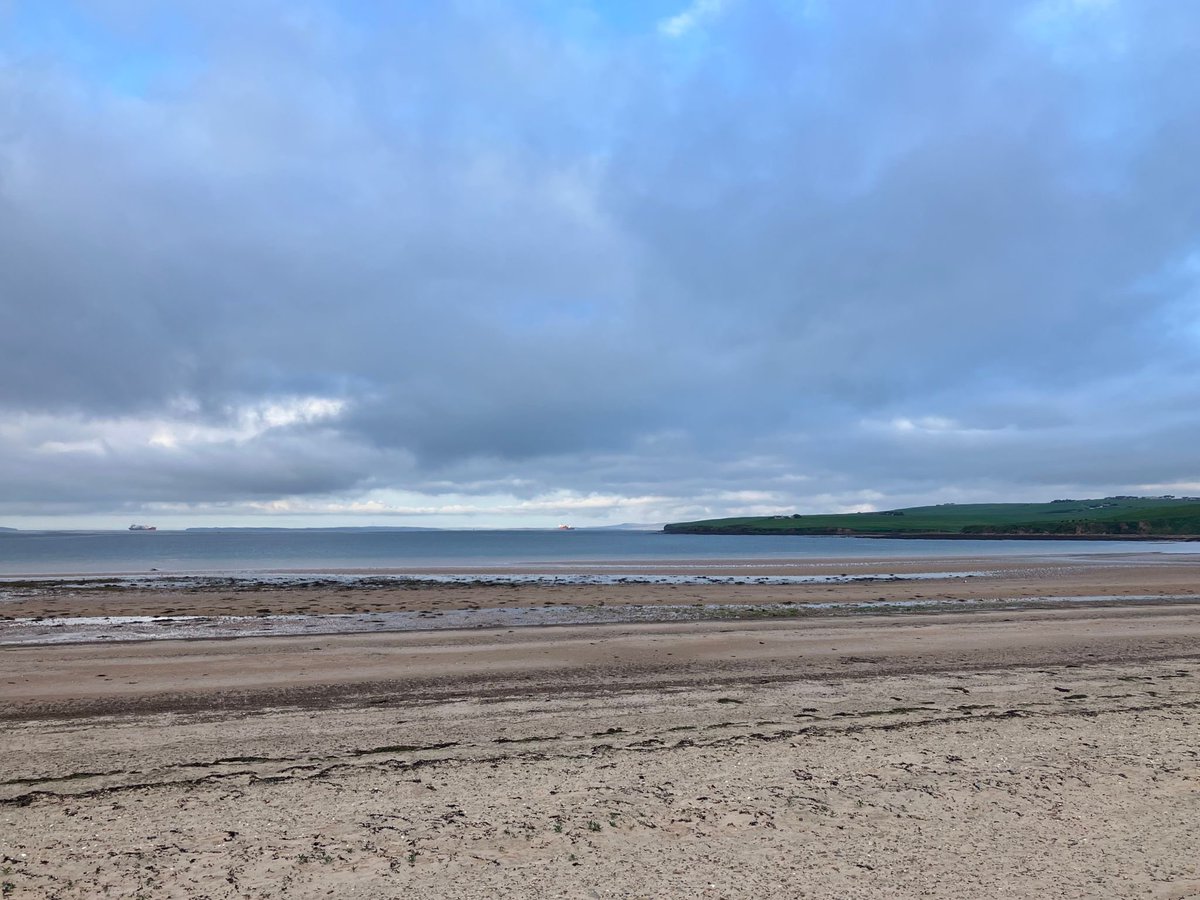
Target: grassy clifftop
[(1115, 516)]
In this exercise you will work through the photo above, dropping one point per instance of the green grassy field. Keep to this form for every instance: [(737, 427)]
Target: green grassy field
[(1133, 516)]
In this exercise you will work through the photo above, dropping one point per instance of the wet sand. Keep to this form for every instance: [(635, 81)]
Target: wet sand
[(1027, 753), (854, 581)]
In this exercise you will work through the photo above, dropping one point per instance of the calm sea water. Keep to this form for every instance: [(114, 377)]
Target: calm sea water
[(99, 552)]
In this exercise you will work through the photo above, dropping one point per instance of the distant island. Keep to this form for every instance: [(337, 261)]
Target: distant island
[(1137, 518)]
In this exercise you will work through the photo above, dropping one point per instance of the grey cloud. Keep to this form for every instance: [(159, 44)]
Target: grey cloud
[(531, 262)]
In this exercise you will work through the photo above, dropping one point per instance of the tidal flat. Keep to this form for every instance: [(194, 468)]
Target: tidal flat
[(741, 754)]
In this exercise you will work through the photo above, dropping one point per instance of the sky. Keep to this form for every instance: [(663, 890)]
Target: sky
[(468, 263)]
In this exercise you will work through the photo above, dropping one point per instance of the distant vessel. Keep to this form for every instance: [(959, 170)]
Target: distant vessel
[(143, 528), (566, 527)]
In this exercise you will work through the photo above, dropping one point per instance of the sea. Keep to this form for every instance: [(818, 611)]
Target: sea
[(51, 553)]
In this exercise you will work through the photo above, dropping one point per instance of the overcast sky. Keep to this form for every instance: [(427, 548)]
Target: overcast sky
[(592, 261)]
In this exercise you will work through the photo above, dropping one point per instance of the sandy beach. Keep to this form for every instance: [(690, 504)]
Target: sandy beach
[(1029, 752), (951, 579)]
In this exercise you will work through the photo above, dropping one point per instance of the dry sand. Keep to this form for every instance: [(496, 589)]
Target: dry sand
[(1031, 753)]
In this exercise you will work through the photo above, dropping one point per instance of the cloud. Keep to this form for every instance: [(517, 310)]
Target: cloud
[(691, 18), (466, 262)]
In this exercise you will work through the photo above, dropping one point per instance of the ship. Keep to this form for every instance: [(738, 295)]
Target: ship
[(143, 528), (566, 527)]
